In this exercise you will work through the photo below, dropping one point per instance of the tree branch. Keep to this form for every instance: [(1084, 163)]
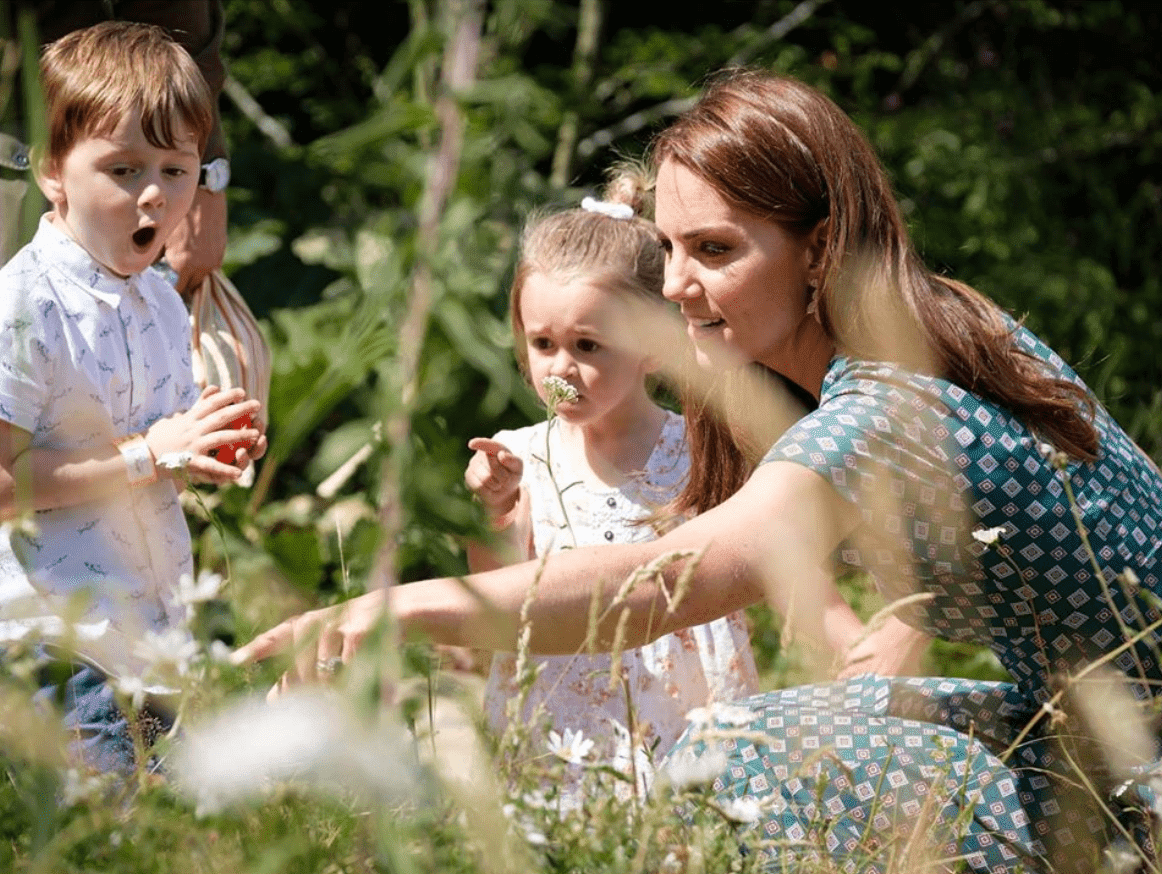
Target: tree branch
[(268, 125), (605, 137), (458, 73), (584, 53)]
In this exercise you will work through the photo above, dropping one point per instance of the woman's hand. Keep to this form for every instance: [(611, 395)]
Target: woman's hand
[(893, 650), (205, 427), (493, 475), (198, 244), (321, 641)]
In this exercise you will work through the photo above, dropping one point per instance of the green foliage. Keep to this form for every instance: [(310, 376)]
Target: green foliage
[(1023, 139)]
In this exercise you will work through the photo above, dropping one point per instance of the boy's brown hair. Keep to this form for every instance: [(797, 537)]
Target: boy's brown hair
[(94, 77)]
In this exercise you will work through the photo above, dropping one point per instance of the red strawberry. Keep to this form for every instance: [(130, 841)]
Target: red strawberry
[(227, 451)]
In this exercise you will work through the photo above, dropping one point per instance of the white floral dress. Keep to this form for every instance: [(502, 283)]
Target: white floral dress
[(662, 681)]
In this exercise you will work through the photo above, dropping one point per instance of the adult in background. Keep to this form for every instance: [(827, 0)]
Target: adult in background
[(198, 244), (946, 457)]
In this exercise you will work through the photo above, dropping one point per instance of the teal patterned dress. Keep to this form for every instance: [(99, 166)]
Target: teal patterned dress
[(851, 769)]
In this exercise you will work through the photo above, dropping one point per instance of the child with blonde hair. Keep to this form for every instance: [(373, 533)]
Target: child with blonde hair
[(597, 471)]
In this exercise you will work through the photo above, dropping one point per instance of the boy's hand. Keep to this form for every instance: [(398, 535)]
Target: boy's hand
[(493, 475), (205, 427), (242, 452)]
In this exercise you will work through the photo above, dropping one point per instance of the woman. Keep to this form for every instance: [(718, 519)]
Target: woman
[(941, 458)]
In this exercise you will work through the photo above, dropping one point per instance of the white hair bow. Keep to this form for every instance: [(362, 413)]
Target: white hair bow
[(621, 211)]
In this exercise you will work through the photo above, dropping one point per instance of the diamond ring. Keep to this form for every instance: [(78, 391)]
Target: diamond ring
[(329, 667)]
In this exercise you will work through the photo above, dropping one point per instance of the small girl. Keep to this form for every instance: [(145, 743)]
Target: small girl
[(597, 471)]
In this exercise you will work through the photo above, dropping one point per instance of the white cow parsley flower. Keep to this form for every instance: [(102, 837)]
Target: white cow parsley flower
[(558, 391), (1054, 456)]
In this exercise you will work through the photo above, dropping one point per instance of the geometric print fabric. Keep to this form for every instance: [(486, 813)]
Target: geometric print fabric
[(928, 463), (838, 773)]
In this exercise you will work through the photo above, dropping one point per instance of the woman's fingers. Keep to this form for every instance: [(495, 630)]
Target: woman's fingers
[(320, 641), (270, 643)]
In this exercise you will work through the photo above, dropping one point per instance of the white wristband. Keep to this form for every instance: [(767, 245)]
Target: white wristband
[(138, 460)]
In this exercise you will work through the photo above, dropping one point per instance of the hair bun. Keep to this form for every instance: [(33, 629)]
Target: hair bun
[(630, 183)]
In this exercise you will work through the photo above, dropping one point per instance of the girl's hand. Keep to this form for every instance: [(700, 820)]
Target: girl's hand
[(493, 475), (207, 426)]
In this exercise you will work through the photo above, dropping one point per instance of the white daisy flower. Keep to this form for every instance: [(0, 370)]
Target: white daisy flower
[(724, 714), (988, 536), (572, 747), (205, 588), (173, 649), (175, 460), (744, 810), (310, 737), (688, 769), (134, 689)]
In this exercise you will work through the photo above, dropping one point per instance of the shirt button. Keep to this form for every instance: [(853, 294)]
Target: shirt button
[(612, 502), (609, 535)]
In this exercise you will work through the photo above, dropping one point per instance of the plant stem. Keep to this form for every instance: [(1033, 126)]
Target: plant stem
[(557, 490)]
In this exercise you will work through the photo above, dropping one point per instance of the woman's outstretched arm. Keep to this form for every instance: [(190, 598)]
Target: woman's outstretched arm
[(772, 539)]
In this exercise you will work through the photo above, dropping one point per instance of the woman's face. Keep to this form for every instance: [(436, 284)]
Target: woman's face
[(741, 282)]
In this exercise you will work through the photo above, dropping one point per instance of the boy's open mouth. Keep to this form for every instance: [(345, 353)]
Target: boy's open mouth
[(142, 237)]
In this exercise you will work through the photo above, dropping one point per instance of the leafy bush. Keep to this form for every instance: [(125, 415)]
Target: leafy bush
[(1023, 139)]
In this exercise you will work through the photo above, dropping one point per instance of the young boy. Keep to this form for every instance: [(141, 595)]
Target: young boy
[(95, 377)]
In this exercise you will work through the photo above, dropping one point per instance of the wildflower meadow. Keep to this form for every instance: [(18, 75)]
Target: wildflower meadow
[(385, 157)]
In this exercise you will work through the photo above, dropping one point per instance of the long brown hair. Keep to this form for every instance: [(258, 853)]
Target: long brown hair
[(782, 151)]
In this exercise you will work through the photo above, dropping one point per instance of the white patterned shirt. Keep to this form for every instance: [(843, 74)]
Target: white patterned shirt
[(87, 358), (664, 679)]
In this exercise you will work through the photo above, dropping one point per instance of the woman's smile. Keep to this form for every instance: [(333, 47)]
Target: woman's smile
[(743, 283)]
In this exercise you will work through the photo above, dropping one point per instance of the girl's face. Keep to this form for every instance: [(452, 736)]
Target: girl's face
[(741, 282), (576, 330)]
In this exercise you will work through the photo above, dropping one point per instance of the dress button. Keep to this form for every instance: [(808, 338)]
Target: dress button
[(611, 502), (609, 535)]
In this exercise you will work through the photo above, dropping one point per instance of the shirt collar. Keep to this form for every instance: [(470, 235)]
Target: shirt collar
[(835, 370), (69, 258)]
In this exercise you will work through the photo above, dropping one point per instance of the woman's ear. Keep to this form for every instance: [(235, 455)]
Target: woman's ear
[(816, 247)]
